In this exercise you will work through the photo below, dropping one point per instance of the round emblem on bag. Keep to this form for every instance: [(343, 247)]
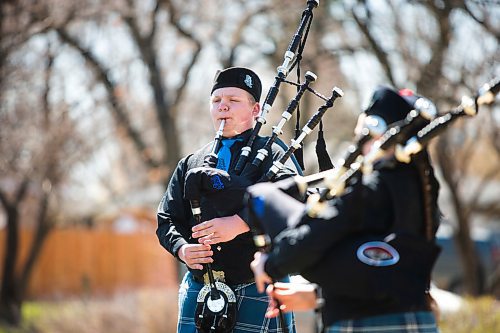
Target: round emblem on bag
[(215, 309), (377, 253)]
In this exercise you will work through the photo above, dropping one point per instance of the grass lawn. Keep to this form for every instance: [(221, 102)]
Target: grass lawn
[(155, 311)]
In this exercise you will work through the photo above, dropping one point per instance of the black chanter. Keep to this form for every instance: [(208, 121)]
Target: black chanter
[(290, 60), (216, 303), (211, 159), (468, 107)]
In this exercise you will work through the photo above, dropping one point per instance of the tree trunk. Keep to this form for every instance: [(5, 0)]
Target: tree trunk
[(471, 269), (10, 303), (43, 229)]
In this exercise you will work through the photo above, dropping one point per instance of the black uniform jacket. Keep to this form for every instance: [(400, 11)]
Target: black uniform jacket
[(175, 219), (325, 250)]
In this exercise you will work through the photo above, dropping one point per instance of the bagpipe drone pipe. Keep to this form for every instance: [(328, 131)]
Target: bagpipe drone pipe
[(468, 107), (251, 170), (308, 127), (422, 114), (292, 58)]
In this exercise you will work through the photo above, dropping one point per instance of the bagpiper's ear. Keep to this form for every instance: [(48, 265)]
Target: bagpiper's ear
[(256, 109)]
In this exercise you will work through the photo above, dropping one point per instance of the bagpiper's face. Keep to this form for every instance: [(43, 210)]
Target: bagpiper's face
[(236, 106), (367, 147), (357, 132)]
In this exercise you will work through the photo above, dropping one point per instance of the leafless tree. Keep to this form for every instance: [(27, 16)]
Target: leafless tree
[(37, 150)]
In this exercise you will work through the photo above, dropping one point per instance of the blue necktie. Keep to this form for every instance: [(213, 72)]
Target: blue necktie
[(224, 154)]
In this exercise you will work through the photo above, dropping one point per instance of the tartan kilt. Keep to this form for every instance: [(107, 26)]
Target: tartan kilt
[(251, 306), (406, 322)]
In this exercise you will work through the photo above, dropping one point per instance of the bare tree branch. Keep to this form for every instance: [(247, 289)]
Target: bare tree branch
[(237, 36), (485, 23), (173, 17), (118, 111), (431, 73), (490, 209), (381, 55)]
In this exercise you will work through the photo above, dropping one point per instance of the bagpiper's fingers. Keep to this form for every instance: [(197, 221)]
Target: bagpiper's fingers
[(260, 281), (272, 313), (202, 255)]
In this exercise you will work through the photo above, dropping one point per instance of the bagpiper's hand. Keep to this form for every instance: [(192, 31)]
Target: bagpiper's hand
[(222, 191), (204, 181), (260, 275), (195, 255), (290, 297), (220, 229)]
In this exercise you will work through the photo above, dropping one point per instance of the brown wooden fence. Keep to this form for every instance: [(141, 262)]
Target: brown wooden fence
[(96, 262)]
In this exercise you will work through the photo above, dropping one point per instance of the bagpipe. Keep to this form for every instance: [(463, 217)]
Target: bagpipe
[(308, 127), (381, 265), (335, 181), (252, 170), (407, 137), (291, 60), (291, 56), (468, 107)]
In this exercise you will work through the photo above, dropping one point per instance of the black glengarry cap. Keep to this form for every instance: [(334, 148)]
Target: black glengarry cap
[(239, 77), (390, 104)]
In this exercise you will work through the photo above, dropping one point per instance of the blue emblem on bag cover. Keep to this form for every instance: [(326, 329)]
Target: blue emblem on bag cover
[(217, 183), (377, 253)]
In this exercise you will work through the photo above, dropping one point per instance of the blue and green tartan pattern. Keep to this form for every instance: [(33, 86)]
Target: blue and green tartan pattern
[(252, 306), (405, 322)]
